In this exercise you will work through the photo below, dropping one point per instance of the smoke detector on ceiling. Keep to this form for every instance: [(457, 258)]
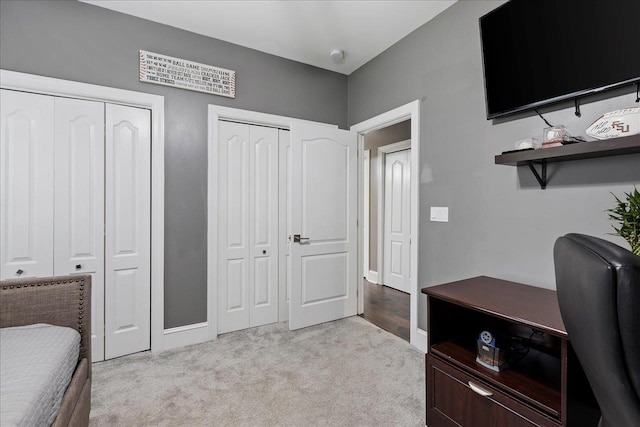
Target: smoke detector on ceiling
[(337, 55)]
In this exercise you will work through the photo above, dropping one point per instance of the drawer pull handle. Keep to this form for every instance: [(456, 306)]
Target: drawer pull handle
[(480, 391)]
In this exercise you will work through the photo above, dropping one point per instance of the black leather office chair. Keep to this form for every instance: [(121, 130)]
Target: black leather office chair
[(598, 285)]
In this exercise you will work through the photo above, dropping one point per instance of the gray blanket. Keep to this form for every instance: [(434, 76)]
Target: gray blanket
[(36, 366)]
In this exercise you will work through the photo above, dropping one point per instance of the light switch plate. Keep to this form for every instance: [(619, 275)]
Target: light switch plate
[(439, 214)]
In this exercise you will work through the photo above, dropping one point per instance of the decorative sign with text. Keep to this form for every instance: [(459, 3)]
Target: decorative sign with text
[(183, 74)]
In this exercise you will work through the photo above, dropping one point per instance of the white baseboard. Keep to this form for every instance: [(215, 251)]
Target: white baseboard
[(186, 335), (419, 340), (372, 277)]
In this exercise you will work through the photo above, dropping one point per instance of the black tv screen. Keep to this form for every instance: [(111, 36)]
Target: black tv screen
[(537, 52)]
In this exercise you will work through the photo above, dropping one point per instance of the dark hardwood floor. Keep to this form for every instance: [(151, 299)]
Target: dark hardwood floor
[(387, 308)]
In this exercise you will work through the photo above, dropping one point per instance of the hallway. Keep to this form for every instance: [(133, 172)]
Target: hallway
[(387, 308)]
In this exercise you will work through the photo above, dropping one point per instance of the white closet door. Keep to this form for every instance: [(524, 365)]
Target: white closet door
[(324, 194), (397, 220), (284, 203), (263, 228), (247, 226), (233, 227), (127, 226), (79, 202), (26, 185)]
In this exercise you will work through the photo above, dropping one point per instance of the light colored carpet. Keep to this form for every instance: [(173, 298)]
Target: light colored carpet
[(347, 372)]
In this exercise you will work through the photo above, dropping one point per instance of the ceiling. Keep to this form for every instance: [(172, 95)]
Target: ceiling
[(304, 31)]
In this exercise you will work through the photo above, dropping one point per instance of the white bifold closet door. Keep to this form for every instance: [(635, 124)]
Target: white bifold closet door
[(76, 200), (247, 226), (26, 185), (79, 202), (284, 212), (127, 296)]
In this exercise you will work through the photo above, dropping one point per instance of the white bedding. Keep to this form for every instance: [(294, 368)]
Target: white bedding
[(36, 366)]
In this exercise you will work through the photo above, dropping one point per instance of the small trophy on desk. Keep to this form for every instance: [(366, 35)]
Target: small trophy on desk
[(489, 355)]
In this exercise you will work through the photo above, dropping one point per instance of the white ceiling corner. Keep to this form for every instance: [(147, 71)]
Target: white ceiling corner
[(303, 31)]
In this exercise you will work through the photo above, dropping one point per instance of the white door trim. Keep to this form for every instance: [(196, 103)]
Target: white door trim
[(396, 146), (382, 152), (215, 114), (399, 114), (67, 88), (366, 201)]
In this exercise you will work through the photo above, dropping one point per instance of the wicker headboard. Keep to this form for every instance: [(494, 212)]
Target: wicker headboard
[(59, 300)]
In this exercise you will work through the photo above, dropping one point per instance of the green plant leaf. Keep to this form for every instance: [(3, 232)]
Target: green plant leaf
[(626, 213)]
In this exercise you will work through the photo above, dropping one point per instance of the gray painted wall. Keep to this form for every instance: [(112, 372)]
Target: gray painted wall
[(77, 41), (501, 223), (372, 141)]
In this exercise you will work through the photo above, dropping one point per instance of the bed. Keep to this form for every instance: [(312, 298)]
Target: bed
[(46, 351)]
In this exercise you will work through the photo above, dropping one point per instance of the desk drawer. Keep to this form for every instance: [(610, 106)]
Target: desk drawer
[(452, 401)]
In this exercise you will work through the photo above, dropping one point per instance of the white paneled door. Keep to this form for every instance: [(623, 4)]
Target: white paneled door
[(284, 201), (233, 229), (397, 220), (79, 202), (26, 185), (323, 220), (247, 226), (263, 225), (127, 230)]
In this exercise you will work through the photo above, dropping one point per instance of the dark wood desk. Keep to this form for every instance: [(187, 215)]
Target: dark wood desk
[(544, 384)]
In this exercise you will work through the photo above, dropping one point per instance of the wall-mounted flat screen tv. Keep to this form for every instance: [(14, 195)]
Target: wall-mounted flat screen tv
[(538, 52)]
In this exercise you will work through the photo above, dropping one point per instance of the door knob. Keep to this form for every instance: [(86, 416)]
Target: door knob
[(19, 272), (298, 239)]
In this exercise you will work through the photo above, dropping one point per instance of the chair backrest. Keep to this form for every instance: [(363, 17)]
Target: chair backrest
[(598, 286)]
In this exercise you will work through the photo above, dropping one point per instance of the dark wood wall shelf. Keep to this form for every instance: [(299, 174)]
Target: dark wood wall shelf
[(578, 151), (544, 387)]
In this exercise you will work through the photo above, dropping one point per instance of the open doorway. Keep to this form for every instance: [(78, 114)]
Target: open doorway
[(405, 113), (387, 227)]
